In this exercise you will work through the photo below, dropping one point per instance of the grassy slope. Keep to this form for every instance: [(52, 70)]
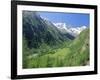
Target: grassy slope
[(75, 54)]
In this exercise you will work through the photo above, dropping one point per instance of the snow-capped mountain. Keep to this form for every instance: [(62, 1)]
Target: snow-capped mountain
[(77, 30), (72, 30), (64, 28), (61, 26)]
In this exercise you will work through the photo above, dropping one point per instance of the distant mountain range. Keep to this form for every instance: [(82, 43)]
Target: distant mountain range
[(71, 30)]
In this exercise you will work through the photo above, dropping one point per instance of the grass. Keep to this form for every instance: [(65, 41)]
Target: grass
[(75, 53), (60, 58)]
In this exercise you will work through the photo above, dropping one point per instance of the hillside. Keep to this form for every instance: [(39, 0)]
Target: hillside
[(38, 31), (80, 49)]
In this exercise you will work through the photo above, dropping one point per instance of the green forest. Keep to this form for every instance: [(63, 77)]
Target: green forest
[(45, 46)]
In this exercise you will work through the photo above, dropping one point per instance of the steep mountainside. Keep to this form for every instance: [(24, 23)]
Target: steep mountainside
[(37, 31)]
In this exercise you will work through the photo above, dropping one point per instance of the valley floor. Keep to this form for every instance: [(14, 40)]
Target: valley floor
[(60, 58)]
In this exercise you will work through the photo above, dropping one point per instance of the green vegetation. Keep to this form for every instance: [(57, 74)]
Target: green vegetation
[(45, 46), (73, 53)]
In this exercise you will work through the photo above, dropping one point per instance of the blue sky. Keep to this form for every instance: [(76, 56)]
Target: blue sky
[(73, 19)]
